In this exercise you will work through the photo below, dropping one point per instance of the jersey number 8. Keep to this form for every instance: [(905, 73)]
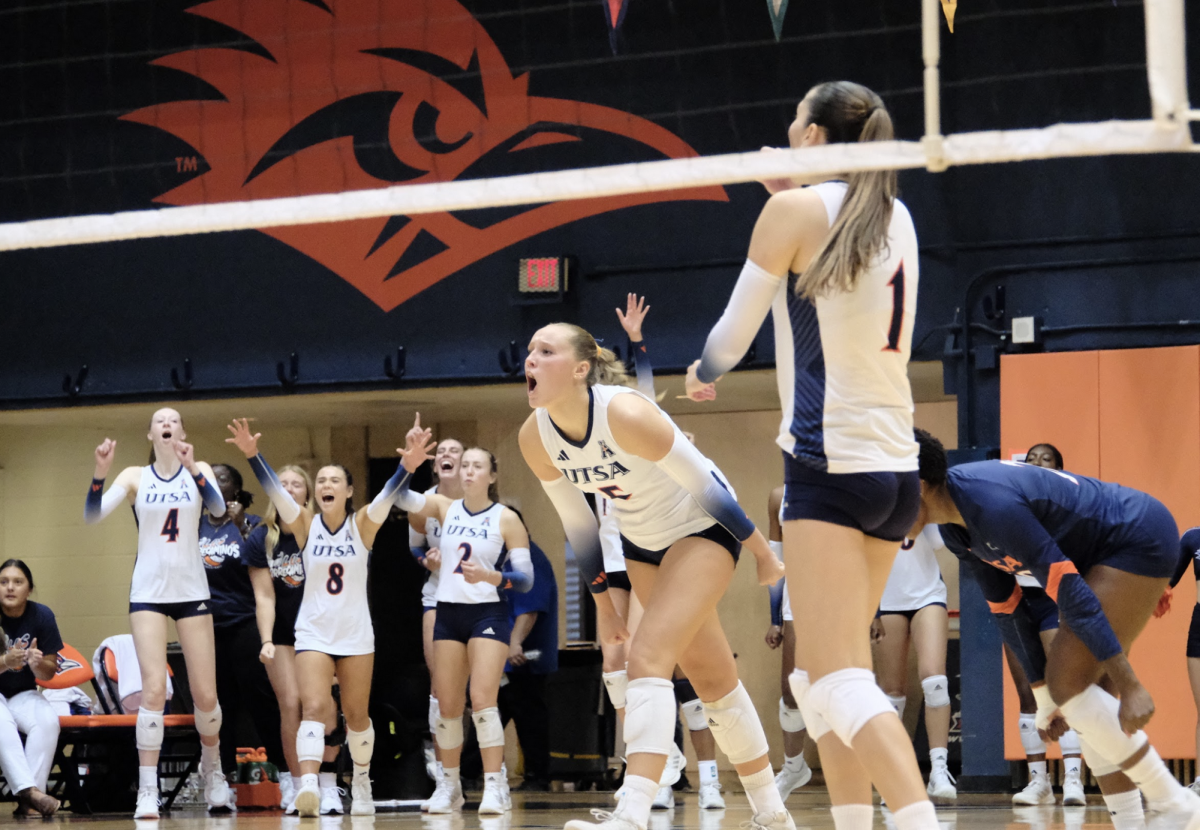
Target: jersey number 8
[(334, 584)]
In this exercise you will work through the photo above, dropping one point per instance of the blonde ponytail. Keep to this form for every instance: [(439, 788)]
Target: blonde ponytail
[(851, 112), (606, 367)]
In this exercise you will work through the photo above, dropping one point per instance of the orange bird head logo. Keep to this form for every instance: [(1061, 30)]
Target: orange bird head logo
[(360, 94)]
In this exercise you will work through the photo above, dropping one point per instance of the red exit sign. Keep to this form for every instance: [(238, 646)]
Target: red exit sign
[(542, 275)]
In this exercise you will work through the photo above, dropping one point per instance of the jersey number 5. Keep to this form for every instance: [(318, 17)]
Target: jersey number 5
[(466, 554), (170, 527), (334, 584), (897, 284)]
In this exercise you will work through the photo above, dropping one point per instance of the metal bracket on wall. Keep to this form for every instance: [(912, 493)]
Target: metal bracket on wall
[(74, 387), (396, 372), (510, 359), (186, 383), (292, 374)]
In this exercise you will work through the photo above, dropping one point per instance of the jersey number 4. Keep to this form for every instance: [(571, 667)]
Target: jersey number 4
[(466, 554), (897, 284), (170, 527)]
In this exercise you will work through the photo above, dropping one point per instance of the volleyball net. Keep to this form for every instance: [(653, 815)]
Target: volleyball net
[(1166, 130)]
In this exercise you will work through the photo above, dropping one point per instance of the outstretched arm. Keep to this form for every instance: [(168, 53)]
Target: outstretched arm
[(100, 503), (289, 511), (631, 320)]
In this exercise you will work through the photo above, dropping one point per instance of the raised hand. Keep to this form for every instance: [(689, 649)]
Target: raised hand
[(696, 390), (418, 446), (187, 456), (33, 655), (242, 438), (105, 453), (635, 312)]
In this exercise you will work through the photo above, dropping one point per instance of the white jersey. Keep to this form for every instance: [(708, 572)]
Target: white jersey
[(916, 579), (474, 536), (610, 536), (842, 364), (433, 539), (169, 567), (334, 616), (653, 510)]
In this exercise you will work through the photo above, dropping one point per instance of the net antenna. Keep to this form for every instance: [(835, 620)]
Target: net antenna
[(1166, 131)]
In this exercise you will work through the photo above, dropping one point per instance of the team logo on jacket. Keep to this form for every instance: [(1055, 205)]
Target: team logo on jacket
[(216, 551), (289, 567), (335, 95)]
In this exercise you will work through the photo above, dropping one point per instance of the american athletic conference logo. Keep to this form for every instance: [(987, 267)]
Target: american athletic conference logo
[(299, 108)]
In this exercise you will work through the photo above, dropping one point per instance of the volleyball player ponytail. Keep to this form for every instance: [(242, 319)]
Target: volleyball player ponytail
[(606, 367), (850, 112)]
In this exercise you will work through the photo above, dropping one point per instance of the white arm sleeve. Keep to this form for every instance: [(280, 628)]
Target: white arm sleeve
[(744, 315), (411, 502), (690, 468), (108, 503), (579, 523)]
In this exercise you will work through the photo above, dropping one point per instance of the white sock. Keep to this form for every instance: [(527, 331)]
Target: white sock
[(793, 763), (492, 778), (327, 780), (639, 795), (762, 792), (285, 778), (708, 772), (1153, 778), (1072, 766), (938, 756), (852, 816), (919, 815), (1037, 768), (309, 781), (451, 777), (210, 758), (147, 778), (1126, 810)]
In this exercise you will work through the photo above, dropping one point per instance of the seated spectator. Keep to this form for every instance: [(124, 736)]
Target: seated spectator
[(31, 653)]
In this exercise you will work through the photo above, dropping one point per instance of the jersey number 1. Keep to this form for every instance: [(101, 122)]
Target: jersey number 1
[(897, 284), (170, 527)]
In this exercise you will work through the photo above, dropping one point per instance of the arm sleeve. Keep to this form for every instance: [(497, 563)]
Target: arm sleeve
[(643, 369), (377, 510), (211, 496), (686, 465), (776, 590), (579, 523), (744, 315), (1011, 614), (99, 506), (517, 572), (289, 511)]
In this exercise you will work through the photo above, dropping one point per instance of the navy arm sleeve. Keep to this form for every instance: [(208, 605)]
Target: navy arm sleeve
[(776, 593), (643, 369)]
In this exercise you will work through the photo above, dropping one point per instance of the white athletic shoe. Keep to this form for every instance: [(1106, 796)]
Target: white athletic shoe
[(673, 769), (446, 799), (1073, 795), (607, 821), (771, 821), (710, 797), (217, 794), (664, 799), (362, 800), (431, 764), (496, 801), (331, 801), (147, 804), (941, 784), (287, 792), (1038, 791), (789, 780), (1184, 805), (308, 802)]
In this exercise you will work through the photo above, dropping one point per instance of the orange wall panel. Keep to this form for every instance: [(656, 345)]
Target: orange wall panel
[(1052, 398)]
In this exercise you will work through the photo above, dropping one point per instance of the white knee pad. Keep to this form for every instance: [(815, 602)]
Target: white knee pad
[(310, 741), (694, 715), (649, 716), (1099, 765), (937, 691), (208, 724), (449, 732), (1069, 743), (434, 713), (488, 728), (898, 702), (616, 683), (848, 699), (149, 730), (813, 721), (1030, 739), (735, 726), (362, 744), (1093, 714), (790, 720)]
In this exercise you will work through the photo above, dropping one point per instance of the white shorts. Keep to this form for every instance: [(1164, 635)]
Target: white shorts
[(429, 592)]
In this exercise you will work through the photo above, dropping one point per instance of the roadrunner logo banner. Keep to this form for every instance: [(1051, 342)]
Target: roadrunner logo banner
[(359, 94)]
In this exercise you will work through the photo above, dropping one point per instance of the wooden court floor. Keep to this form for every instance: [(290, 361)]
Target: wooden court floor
[(545, 811)]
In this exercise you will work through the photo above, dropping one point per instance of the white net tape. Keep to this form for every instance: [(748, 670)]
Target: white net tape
[(1062, 140)]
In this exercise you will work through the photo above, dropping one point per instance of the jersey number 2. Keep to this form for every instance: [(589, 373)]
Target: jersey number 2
[(170, 527), (897, 284), (466, 549), (334, 584)]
